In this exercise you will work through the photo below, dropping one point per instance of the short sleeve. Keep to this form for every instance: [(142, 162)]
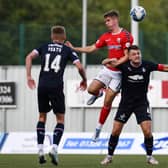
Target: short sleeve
[(73, 56), (38, 50), (101, 42), (127, 40)]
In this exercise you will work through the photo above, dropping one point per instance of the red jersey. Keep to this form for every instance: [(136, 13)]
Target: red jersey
[(116, 43)]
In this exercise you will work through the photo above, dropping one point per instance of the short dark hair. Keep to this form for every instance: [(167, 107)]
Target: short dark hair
[(58, 30), (112, 13), (133, 47)]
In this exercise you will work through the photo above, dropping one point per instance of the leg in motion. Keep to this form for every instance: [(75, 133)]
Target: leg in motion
[(41, 136), (109, 97), (57, 134), (95, 88)]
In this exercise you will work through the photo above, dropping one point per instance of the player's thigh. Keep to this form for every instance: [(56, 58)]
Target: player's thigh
[(57, 100), (109, 97), (123, 113), (142, 112), (117, 128), (95, 86), (115, 85), (43, 100), (101, 80)]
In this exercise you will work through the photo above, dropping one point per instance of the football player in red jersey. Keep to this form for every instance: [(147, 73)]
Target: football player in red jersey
[(117, 40)]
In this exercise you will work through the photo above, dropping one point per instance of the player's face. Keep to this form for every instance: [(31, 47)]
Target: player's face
[(111, 22), (135, 56)]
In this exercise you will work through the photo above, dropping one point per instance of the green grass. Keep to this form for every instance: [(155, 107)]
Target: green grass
[(80, 161)]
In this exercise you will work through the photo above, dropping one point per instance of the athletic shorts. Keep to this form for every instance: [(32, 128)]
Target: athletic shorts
[(51, 98), (109, 78), (140, 109)]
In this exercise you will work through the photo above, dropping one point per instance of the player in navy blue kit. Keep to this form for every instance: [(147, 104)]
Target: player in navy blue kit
[(54, 57), (135, 81)]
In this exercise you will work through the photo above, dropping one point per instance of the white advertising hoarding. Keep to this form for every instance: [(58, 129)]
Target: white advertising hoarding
[(81, 143), (157, 95)]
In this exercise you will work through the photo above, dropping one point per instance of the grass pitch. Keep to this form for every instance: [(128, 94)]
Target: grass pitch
[(80, 161)]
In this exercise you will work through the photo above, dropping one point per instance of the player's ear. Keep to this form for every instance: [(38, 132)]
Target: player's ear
[(64, 37)]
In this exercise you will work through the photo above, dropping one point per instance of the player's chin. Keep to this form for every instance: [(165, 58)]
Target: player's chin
[(136, 61)]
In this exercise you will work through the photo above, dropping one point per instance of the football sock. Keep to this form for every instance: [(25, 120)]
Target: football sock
[(58, 132), (149, 145), (113, 141), (104, 114), (40, 132)]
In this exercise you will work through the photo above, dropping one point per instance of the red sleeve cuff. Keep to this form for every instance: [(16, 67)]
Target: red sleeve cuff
[(160, 67)]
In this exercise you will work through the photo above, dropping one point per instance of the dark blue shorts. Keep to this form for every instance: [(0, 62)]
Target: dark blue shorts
[(51, 98), (140, 109)]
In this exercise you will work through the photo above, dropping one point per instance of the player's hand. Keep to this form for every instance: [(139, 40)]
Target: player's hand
[(31, 83), (69, 44), (83, 85)]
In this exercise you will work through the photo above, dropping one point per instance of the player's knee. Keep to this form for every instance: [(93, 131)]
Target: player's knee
[(108, 103), (147, 133), (60, 118), (116, 132), (92, 91), (42, 117)]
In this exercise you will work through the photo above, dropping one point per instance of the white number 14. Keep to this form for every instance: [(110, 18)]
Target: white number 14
[(55, 64)]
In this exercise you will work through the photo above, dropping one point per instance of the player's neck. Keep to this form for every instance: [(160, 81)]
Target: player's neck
[(136, 65), (116, 30), (58, 41)]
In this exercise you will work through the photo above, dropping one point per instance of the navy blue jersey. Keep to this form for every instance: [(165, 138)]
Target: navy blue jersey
[(135, 81), (54, 57)]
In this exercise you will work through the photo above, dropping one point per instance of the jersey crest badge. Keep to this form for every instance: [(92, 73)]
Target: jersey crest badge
[(119, 40)]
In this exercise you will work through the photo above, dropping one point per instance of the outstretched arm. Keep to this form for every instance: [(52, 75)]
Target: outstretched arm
[(113, 62), (163, 67), (29, 58), (87, 49), (83, 83)]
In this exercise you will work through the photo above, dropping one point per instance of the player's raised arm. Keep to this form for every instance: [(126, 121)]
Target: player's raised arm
[(87, 49), (81, 70), (122, 59), (29, 58)]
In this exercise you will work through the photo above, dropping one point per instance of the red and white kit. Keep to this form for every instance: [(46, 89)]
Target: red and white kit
[(116, 43)]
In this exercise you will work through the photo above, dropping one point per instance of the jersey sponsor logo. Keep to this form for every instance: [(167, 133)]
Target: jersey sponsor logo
[(117, 47), (136, 77), (159, 144), (107, 40), (86, 143)]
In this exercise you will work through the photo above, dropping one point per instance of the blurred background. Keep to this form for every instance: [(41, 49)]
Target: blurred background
[(25, 25)]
